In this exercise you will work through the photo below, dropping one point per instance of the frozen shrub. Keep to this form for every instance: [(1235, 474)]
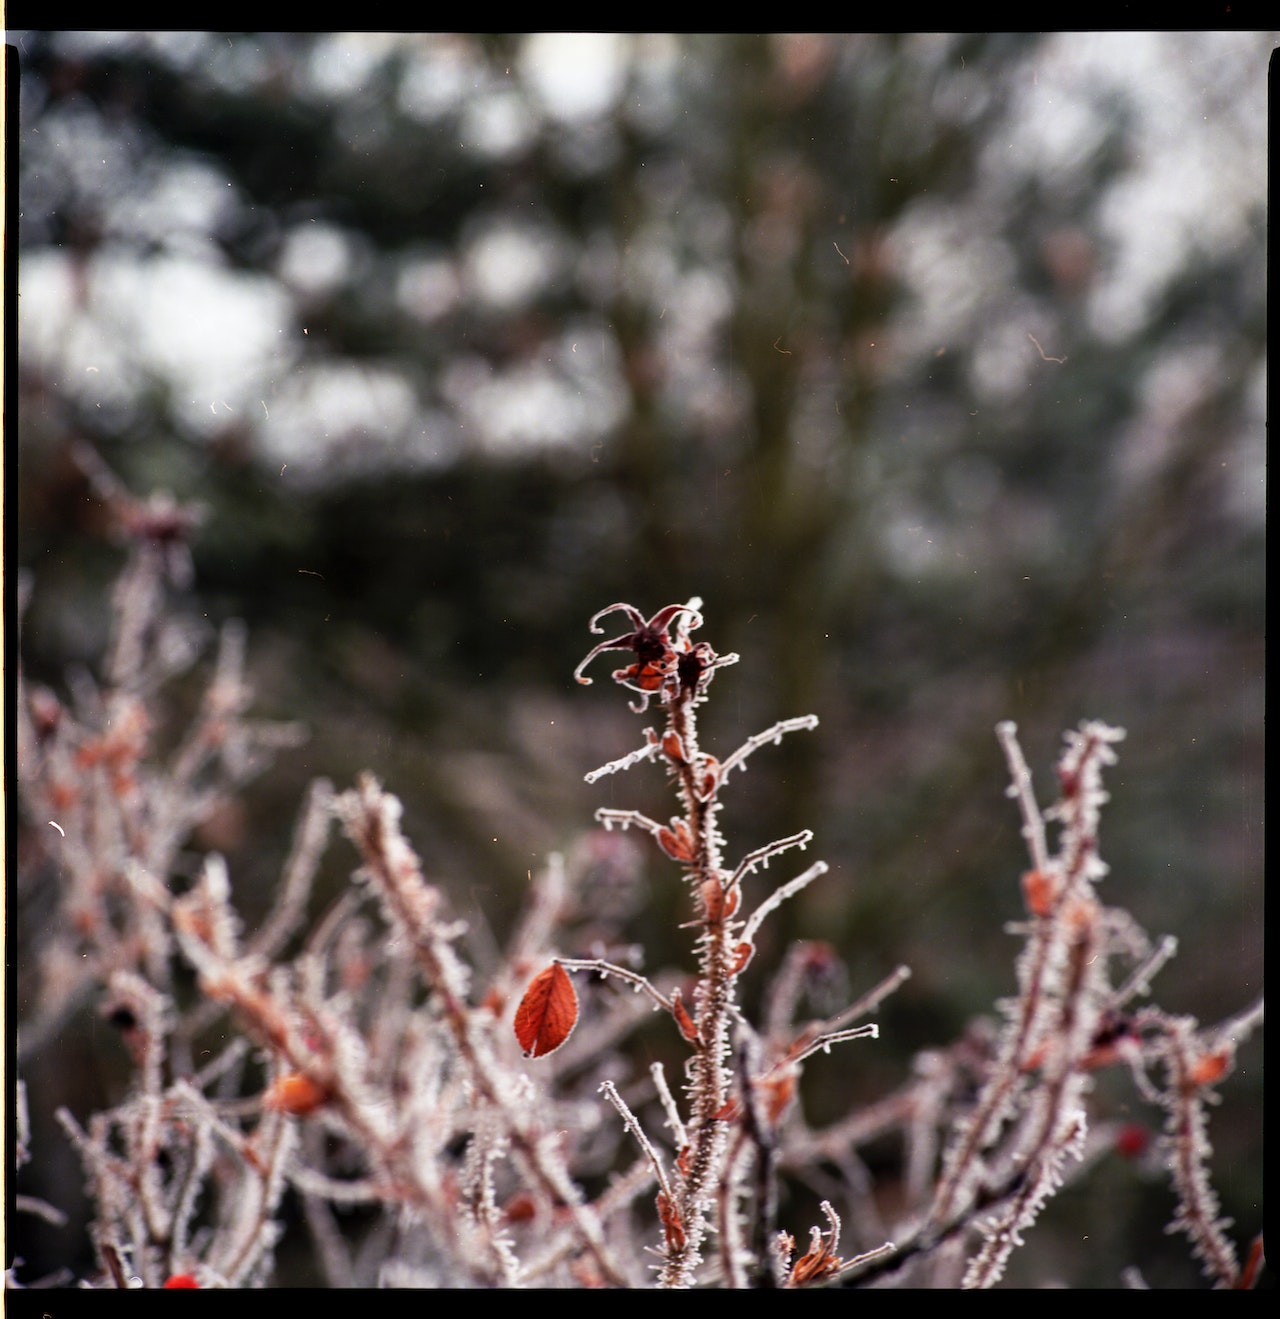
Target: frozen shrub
[(434, 1128)]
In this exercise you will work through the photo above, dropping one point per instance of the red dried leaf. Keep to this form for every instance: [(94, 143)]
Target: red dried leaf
[(716, 903), (677, 842), (742, 954), (548, 1012), (1039, 891), (683, 1019), (1036, 1058), (521, 1208), (677, 845), (819, 1263), (779, 1088), (1249, 1274), (294, 1093), (672, 1226), (1209, 1068)]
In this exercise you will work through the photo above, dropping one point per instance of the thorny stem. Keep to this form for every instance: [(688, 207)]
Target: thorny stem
[(927, 1240), (1089, 750), (1059, 1124), (1020, 789), (714, 996), (871, 999), (1197, 1211), (610, 1092), (760, 857), (256, 1216), (758, 1131), (638, 982), (393, 868), (779, 896), (706, 1174), (674, 1121)]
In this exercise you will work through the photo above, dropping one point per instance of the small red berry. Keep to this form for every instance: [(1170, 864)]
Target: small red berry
[(1132, 1140)]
